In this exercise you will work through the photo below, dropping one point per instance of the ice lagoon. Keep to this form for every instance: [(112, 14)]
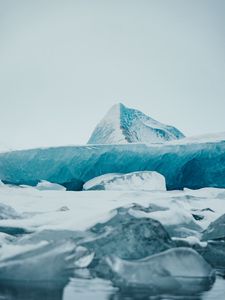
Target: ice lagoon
[(39, 226)]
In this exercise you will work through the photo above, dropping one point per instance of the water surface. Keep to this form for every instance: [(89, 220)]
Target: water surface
[(96, 289)]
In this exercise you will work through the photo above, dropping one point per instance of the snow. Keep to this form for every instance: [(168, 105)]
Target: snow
[(132, 181), (175, 215), (125, 125), (41, 209), (109, 131), (191, 240), (5, 238), (10, 250), (7, 212), (206, 138)]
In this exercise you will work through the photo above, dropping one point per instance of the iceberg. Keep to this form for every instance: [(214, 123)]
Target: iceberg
[(192, 165), (144, 180), (123, 125)]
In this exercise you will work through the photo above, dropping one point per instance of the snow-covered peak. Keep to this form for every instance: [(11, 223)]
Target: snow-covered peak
[(127, 125), (114, 112)]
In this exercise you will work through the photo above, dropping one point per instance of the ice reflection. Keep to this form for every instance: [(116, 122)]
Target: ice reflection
[(103, 290), (84, 289), (96, 289), (24, 290), (144, 294)]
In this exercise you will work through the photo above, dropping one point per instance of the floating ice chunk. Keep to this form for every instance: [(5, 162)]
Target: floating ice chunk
[(177, 220), (214, 253), (38, 262), (177, 269), (215, 250), (126, 237), (46, 185), (143, 180), (216, 230)]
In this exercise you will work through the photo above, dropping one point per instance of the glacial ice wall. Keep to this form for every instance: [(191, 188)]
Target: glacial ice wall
[(193, 165)]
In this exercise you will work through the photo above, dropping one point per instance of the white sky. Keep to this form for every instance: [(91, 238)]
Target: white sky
[(63, 64)]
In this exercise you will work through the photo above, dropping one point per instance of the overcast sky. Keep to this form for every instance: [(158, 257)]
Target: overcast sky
[(64, 63)]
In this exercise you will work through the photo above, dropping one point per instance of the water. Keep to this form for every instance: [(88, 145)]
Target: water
[(103, 290), (95, 289)]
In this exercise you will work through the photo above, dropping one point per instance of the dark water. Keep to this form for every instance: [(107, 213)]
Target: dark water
[(96, 289)]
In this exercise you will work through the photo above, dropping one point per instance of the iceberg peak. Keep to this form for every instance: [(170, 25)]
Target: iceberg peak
[(122, 125)]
